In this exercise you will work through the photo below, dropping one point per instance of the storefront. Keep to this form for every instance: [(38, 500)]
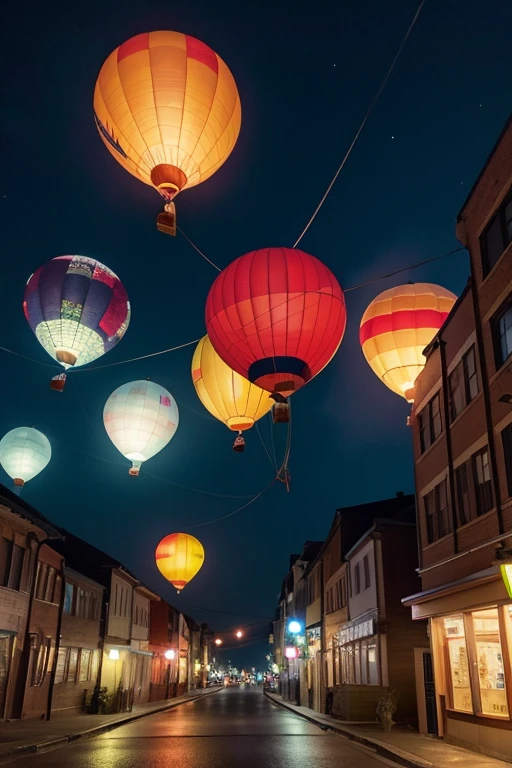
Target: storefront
[(314, 667), (471, 639), (356, 656)]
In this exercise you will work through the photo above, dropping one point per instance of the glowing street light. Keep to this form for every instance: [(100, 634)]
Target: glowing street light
[(291, 652), (239, 634), (218, 641), (294, 627), (169, 655)]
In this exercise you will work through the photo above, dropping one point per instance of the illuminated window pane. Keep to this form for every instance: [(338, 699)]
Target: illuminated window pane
[(489, 659), (458, 672)]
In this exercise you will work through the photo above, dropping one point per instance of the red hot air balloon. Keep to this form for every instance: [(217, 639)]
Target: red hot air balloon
[(276, 316)]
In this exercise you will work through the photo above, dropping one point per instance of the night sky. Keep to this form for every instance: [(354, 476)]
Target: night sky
[(306, 73)]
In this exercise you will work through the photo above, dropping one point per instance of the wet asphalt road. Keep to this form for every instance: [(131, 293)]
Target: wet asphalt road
[(236, 728)]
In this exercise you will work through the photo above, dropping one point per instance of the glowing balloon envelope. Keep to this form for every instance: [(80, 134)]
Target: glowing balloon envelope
[(224, 393), (140, 418), (277, 317), (24, 453), (167, 108), (397, 326), (179, 557), (77, 308)]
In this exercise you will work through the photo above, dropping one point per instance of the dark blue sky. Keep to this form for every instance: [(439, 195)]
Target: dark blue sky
[(306, 74)]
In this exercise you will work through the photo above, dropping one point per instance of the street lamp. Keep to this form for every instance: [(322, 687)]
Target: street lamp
[(294, 627), (218, 641), (239, 634), (169, 655)]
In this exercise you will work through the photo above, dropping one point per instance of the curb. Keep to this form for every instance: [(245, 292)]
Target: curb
[(397, 755), (32, 749)]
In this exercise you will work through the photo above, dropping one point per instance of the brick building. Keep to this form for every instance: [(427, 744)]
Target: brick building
[(27, 636), (462, 437)]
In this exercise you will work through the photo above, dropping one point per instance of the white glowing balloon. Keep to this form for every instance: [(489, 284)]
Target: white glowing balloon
[(24, 453), (140, 418)]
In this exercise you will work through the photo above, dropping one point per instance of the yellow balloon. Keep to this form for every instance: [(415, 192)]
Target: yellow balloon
[(179, 557), (224, 393)]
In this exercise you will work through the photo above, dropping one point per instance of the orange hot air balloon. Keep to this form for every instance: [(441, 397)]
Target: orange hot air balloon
[(396, 328), (179, 557), (167, 108)]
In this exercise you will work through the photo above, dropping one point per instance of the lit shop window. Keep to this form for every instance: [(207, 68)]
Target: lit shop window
[(458, 672), (489, 660)]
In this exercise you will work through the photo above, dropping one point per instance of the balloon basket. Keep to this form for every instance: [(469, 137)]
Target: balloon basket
[(281, 413), (239, 444), (58, 382), (166, 221), (134, 471)]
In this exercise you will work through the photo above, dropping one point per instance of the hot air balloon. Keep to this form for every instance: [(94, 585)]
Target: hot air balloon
[(78, 310), (140, 418), (24, 453), (167, 108), (396, 328), (277, 317), (227, 395), (179, 557)]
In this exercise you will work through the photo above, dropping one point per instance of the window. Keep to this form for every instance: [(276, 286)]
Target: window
[(506, 439), (437, 516), (462, 493), (72, 665), (496, 236), (45, 582), (458, 671), (489, 657), (463, 383), (62, 659), (69, 599), (358, 662), (85, 665), (42, 572), (430, 424), (366, 568), (40, 662), (17, 555), (482, 480), (477, 674), (501, 325), (357, 579), (95, 661)]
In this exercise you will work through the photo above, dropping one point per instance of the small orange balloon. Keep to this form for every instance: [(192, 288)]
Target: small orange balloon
[(179, 557)]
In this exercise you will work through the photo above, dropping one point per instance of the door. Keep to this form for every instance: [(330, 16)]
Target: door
[(430, 692)]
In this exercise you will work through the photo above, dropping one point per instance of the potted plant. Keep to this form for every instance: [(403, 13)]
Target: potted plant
[(386, 708)]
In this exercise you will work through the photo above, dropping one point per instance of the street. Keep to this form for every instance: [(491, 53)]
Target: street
[(236, 728)]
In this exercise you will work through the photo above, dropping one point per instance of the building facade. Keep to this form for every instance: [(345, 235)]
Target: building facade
[(24, 630), (78, 656), (462, 438), (378, 646)]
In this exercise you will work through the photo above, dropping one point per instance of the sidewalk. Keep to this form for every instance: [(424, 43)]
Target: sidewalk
[(402, 746), (22, 737)]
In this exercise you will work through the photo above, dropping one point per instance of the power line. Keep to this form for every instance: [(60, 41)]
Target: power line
[(367, 115), (404, 269), (130, 360)]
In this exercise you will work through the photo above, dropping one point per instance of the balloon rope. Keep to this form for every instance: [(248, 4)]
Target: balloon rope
[(197, 249), (279, 473), (368, 113)]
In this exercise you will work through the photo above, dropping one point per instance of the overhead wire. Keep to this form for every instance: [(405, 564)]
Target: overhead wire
[(404, 269), (365, 119), (132, 359), (199, 251)]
